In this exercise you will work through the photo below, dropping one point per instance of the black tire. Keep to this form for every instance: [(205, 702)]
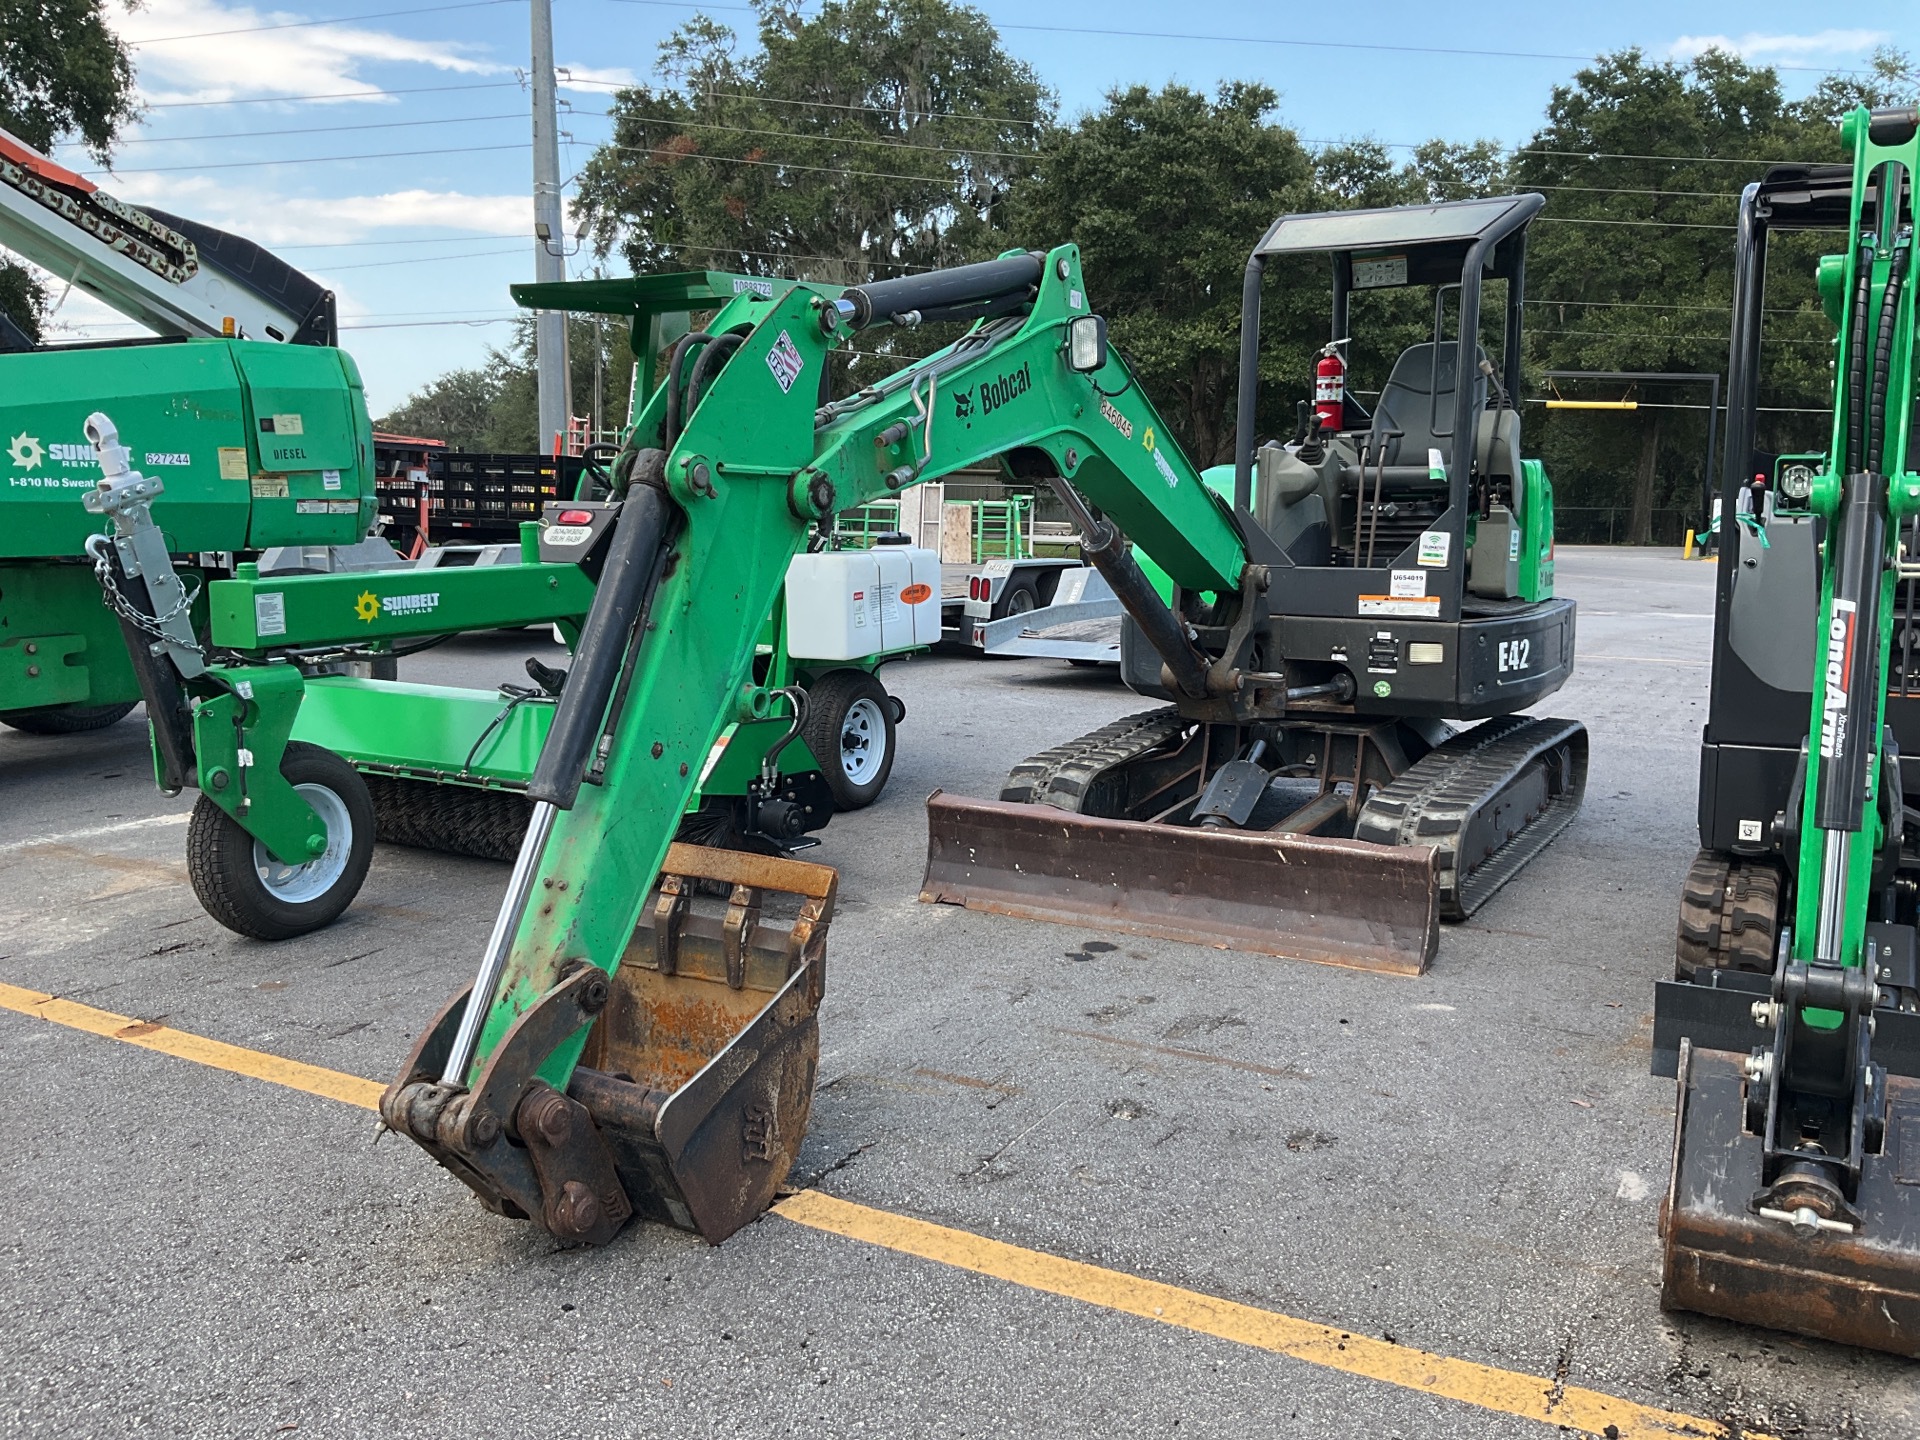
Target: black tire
[(848, 714), (68, 719), (1018, 598), (1729, 916), (226, 872)]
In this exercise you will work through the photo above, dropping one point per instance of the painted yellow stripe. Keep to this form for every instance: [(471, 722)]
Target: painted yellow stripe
[(178, 1043), (1506, 1391), (1485, 1386)]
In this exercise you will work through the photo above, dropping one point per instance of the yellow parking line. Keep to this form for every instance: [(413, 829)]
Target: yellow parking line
[(1487, 1387), (197, 1048)]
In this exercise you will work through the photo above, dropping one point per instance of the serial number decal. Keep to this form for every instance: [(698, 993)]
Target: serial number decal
[(1515, 655)]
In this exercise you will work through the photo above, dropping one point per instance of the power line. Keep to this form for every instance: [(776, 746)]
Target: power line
[(312, 159), (370, 244), (514, 249), (369, 94), (309, 24), (1644, 224), (821, 104), (1104, 33), (324, 129)]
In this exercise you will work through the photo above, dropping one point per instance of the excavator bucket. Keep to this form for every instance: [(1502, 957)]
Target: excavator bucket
[(1301, 897), (698, 1074), (1859, 1285)]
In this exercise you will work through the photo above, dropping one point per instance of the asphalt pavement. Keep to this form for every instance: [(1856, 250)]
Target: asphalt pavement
[(1468, 1163)]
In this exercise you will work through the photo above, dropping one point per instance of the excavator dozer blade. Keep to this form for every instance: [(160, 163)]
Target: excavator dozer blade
[(1722, 1258), (1302, 897)]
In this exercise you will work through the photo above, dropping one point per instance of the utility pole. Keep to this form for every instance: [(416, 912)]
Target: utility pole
[(549, 256)]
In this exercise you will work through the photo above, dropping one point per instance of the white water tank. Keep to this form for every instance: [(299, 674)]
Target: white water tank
[(849, 604)]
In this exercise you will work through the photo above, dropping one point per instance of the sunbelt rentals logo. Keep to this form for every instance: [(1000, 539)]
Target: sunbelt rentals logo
[(26, 452), (370, 607)]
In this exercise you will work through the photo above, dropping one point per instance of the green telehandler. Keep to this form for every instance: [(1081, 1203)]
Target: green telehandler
[(1793, 1026), (641, 1034)]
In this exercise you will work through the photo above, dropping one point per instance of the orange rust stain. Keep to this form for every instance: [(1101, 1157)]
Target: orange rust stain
[(669, 1038)]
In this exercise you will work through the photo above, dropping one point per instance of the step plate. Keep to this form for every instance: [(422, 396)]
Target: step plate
[(1300, 897)]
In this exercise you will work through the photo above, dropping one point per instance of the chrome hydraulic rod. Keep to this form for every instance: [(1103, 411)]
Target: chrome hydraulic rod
[(493, 959)]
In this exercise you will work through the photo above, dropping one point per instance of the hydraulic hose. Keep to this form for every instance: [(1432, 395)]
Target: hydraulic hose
[(705, 366), (1857, 382), (675, 420), (1883, 352)]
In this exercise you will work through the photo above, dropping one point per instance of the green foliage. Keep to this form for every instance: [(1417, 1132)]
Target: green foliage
[(63, 74), (1165, 193), (494, 407), (1631, 268), (874, 137), (883, 136), (21, 298)]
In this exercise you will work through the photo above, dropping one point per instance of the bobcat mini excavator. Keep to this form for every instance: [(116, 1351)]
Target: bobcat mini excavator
[(1794, 1024), (630, 1050)]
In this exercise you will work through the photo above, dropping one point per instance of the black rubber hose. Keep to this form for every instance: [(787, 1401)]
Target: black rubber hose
[(1883, 357), (1857, 359), (674, 419), (939, 292), (706, 366), (611, 625)]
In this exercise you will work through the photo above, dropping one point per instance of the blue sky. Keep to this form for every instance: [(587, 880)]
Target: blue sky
[(422, 246)]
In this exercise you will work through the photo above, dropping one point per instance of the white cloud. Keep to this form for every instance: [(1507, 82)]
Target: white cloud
[(270, 220), (317, 60), (596, 78), (1762, 48)]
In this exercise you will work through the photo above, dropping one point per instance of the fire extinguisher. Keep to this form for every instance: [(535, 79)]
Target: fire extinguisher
[(1330, 387)]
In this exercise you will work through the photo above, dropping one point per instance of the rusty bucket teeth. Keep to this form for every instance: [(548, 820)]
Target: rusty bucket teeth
[(1302, 897), (1722, 1257)]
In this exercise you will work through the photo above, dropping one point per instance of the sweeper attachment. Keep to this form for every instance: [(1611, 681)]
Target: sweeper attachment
[(1794, 1026), (1304, 793)]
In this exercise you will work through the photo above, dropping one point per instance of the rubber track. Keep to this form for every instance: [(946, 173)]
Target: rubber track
[(1435, 799), (1060, 777), (1729, 916)]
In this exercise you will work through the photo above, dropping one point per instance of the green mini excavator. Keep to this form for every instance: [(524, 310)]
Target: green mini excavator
[(1794, 1024)]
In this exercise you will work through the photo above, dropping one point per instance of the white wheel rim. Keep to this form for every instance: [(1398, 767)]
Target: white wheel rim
[(301, 884), (863, 741), (1021, 601)]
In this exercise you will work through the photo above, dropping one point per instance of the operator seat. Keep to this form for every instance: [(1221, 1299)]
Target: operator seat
[(1417, 400)]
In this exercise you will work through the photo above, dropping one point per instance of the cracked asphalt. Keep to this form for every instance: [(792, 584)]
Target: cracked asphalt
[(1468, 1162)]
